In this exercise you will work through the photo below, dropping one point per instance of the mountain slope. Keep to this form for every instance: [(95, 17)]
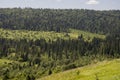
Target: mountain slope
[(107, 70)]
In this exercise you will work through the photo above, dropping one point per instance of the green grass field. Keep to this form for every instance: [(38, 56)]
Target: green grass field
[(106, 70), (34, 35)]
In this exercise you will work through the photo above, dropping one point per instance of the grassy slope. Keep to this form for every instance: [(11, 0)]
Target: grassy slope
[(107, 70), (33, 35)]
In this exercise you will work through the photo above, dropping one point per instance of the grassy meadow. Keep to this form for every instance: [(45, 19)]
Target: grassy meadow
[(106, 70)]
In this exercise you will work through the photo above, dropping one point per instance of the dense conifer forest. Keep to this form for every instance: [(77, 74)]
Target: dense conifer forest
[(28, 59), (60, 20)]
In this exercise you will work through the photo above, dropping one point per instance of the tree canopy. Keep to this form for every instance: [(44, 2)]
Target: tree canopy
[(60, 20)]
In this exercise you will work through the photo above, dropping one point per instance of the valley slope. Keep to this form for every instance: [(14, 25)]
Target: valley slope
[(106, 70)]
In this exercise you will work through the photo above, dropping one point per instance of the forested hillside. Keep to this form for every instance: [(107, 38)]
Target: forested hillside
[(38, 42), (60, 20), (34, 59)]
